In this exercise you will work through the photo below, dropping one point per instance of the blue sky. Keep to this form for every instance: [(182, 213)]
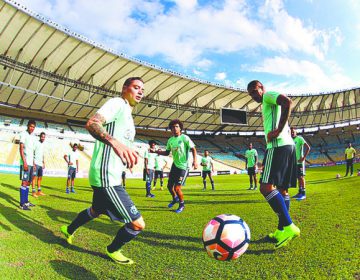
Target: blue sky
[(292, 46)]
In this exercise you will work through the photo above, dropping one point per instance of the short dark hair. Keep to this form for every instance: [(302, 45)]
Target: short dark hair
[(129, 80), (152, 142), (252, 84), (174, 122), (42, 133), (75, 145), (31, 122)]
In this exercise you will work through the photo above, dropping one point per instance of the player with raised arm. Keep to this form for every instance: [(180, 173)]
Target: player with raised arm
[(301, 155), (39, 164), (179, 145), (113, 128), (27, 147), (208, 168), (279, 165), (251, 157)]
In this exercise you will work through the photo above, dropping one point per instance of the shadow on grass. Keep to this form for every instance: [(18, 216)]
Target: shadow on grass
[(206, 202), (67, 270), (313, 182), (70, 197), (8, 198)]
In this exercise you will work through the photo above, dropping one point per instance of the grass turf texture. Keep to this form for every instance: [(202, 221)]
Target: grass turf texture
[(170, 247)]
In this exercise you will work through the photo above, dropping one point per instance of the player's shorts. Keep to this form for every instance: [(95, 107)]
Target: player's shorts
[(26, 176), (116, 203), (251, 171), (177, 176), (279, 167), (150, 175), (206, 173), (39, 171), (300, 169), (159, 174), (72, 173)]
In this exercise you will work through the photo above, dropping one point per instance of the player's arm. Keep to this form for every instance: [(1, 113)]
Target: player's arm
[(22, 154), (43, 162), (77, 166), (212, 166), (246, 163), (162, 153), (285, 104), (66, 159), (146, 161), (306, 152), (95, 126), (194, 154)]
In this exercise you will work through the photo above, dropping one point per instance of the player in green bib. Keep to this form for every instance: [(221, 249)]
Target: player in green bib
[(301, 155), (251, 157), (208, 168), (113, 128), (179, 145), (279, 165)]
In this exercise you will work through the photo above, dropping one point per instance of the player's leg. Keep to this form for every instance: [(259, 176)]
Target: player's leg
[(33, 188), (204, 180), (149, 180), (181, 182), (73, 176), (211, 181), (161, 173), (255, 181), (39, 180), (347, 167), (155, 179), (68, 180), (351, 167)]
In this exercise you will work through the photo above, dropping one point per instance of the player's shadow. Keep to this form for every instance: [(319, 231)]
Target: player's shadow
[(206, 202), (217, 194), (67, 270), (10, 199), (315, 182), (70, 197)]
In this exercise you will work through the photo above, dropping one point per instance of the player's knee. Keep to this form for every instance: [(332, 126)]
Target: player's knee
[(93, 213), (265, 189), (138, 224)]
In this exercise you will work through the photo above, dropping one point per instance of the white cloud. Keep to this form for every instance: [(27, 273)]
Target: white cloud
[(303, 76), (220, 76)]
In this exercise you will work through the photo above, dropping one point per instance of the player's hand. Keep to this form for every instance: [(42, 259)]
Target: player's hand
[(148, 171), (26, 167), (195, 165), (273, 134), (70, 163), (128, 156)]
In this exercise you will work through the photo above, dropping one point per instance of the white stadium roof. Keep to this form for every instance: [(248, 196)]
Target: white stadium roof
[(47, 69)]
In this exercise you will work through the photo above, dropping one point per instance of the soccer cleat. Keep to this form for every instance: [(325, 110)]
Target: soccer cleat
[(40, 193), (213, 189), (249, 189), (29, 204), (119, 258), (255, 188), (34, 194), (204, 189), (72, 190), (24, 207), (290, 232), (275, 235), (301, 197), (172, 203), (161, 188), (150, 195), (180, 209), (67, 191), (297, 195), (69, 237)]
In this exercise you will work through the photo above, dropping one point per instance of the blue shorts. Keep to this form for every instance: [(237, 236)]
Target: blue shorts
[(300, 170), (26, 176), (39, 171), (72, 173), (150, 175), (116, 203)]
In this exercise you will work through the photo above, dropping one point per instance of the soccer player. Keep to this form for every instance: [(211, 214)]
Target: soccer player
[(301, 155), (27, 146), (113, 127), (350, 153), (149, 165), (160, 165), (251, 157), (179, 145), (208, 168), (279, 165), (39, 164), (72, 160)]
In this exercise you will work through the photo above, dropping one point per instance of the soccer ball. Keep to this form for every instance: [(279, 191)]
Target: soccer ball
[(226, 237), (338, 176)]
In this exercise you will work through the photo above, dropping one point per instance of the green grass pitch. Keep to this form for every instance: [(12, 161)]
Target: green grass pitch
[(170, 247)]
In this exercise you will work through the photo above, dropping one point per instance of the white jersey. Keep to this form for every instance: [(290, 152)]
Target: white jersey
[(106, 167), (72, 157), (29, 146), (39, 153)]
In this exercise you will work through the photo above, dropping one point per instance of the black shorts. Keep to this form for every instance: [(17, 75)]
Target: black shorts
[(159, 174), (251, 171), (72, 173), (206, 173), (116, 203), (26, 176), (300, 169), (279, 167), (39, 171), (177, 176)]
